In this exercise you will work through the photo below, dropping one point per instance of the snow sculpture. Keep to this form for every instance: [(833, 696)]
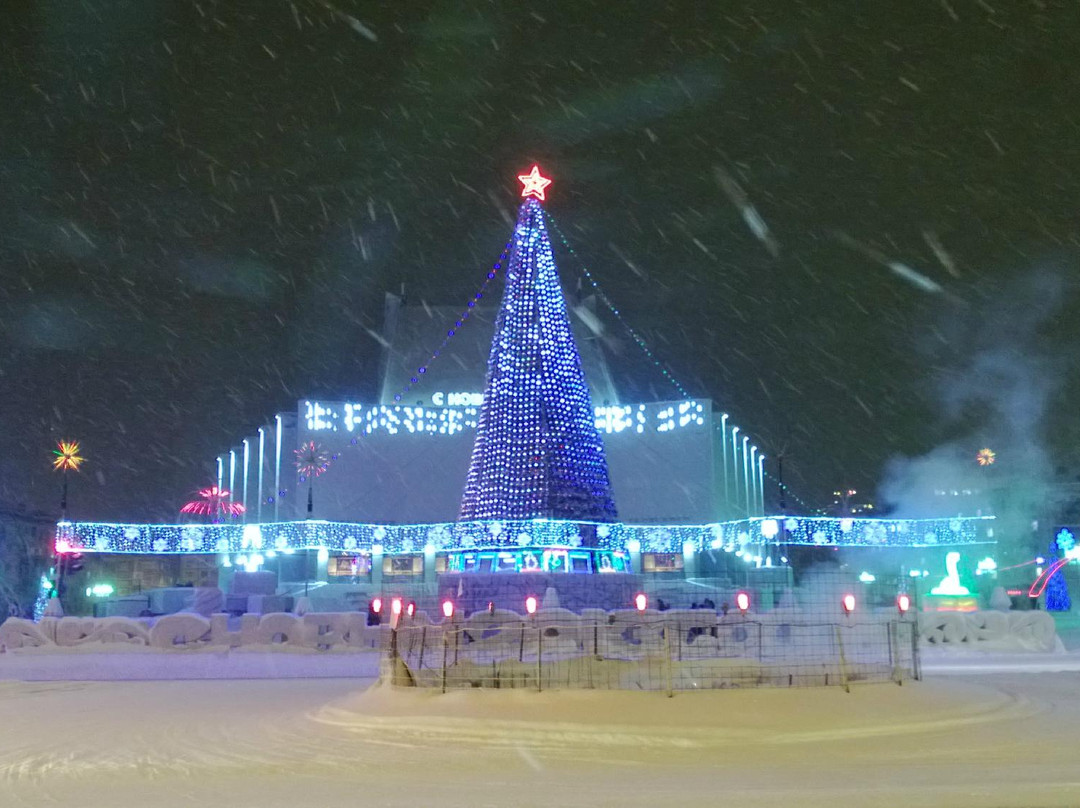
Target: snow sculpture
[(120, 630), (180, 631), (561, 630), (1000, 600), (983, 626), (551, 599), (324, 631), (15, 632), (220, 634), (942, 627), (73, 630), (280, 625), (1034, 630)]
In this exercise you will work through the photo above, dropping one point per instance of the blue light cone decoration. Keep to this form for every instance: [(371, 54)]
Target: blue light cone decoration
[(1057, 589), (537, 452)]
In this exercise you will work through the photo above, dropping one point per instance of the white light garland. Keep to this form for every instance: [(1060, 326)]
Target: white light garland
[(744, 534)]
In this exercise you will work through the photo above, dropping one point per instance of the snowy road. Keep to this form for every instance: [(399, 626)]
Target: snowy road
[(991, 740)]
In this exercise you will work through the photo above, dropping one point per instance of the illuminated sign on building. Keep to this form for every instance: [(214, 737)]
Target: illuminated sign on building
[(454, 417)]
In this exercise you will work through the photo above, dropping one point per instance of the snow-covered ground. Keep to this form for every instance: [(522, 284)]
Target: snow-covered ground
[(958, 740)]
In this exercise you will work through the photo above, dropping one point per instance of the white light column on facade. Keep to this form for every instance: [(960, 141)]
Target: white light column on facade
[(220, 472), (232, 475), (723, 451), (735, 463), (262, 454), (761, 478), (753, 477), (746, 471), (247, 462), (277, 467)]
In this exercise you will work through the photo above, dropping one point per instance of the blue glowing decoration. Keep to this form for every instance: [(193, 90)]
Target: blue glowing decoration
[(1057, 589), (1066, 541), (743, 536), (537, 451)]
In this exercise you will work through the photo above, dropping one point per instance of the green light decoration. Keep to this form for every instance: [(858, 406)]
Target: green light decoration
[(950, 585)]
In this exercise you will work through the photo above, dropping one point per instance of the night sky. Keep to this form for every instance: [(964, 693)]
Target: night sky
[(203, 204)]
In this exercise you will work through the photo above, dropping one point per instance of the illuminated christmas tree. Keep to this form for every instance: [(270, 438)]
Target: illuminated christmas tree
[(1057, 589), (537, 451)]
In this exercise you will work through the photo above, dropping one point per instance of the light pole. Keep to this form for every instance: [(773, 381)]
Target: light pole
[(262, 453), (232, 475), (746, 472), (247, 461), (723, 454), (753, 471), (761, 479), (277, 467), (735, 461)]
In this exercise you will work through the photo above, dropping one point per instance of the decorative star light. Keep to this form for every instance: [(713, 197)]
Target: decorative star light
[(986, 457), (312, 459), (67, 455), (215, 502), (534, 183)]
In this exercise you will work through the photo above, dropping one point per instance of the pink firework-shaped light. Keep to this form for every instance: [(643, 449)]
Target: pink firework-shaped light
[(312, 459), (215, 502)]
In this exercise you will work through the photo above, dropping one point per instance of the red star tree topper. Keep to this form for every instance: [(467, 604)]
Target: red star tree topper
[(534, 183)]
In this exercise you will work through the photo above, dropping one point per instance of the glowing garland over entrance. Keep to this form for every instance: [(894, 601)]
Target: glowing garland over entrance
[(737, 536)]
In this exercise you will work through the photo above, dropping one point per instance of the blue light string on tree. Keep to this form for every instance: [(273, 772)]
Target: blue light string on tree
[(640, 341), (537, 451), (451, 332), (787, 490), (611, 306)]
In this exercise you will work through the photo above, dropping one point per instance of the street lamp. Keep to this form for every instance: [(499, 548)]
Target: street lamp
[(735, 461), (723, 455), (761, 480), (753, 471), (746, 472)]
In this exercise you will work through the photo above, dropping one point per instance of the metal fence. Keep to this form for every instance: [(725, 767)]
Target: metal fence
[(675, 650)]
